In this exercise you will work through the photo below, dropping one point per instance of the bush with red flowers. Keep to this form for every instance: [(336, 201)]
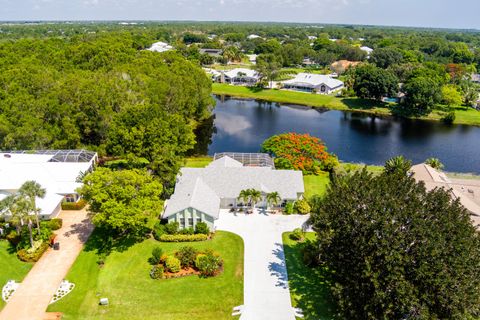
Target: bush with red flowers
[(300, 152)]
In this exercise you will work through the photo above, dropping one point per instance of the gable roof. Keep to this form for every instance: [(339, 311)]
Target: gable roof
[(248, 73), (314, 80), (225, 162)]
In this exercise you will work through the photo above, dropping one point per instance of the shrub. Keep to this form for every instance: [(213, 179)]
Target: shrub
[(198, 258), (33, 254), (449, 118), (79, 205), (297, 234), (187, 256), (172, 264), (434, 163), (202, 228), (156, 272), (208, 264), (302, 207), (183, 237), (172, 227), (55, 224), (288, 208), (159, 230), (14, 238), (187, 231), (156, 257)]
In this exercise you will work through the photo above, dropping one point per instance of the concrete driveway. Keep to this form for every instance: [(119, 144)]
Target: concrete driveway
[(266, 292), (31, 299)]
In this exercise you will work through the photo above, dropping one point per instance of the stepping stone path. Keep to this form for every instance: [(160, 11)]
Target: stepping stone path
[(9, 289)]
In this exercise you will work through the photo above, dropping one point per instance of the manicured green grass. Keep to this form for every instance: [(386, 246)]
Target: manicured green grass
[(125, 280), (464, 115), (10, 267), (197, 162), (316, 185), (308, 286)]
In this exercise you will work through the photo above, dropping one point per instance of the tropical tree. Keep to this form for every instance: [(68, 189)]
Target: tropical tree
[(255, 197), (244, 195), (372, 82), (434, 163), (268, 66), (273, 198), (31, 190), (19, 207), (397, 164)]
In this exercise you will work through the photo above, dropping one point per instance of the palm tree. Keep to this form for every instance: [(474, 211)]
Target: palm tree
[(19, 207), (397, 165), (244, 196), (31, 190), (435, 163), (273, 198), (255, 196)]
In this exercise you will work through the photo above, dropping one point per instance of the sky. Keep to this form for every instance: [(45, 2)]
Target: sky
[(423, 13)]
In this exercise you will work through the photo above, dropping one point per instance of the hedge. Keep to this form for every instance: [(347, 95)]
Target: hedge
[(55, 224), (79, 205), (26, 256), (183, 237)]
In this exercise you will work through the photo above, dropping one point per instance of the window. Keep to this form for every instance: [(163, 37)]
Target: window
[(323, 88), (190, 221), (199, 217), (70, 198), (182, 222)]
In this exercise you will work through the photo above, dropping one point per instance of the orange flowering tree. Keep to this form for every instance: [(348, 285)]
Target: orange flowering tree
[(300, 152)]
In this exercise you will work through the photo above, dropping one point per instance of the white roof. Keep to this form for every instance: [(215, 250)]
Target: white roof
[(58, 178), (314, 80), (160, 47), (225, 178), (253, 36), (366, 49), (312, 37), (248, 73)]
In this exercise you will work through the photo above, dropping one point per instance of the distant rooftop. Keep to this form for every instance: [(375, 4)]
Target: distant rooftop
[(248, 159), (80, 155)]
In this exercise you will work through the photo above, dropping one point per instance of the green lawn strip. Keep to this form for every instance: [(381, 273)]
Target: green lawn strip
[(316, 185), (132, 294), (10, 267), (464, 115), (308, 287), (197, 162)]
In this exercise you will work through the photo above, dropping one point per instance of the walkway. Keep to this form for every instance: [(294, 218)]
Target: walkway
[(31, 299), (266, 293)]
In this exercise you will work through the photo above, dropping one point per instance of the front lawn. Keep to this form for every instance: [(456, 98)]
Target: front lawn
[(308, 288), (10, 267), (125, 281), (316, 185)]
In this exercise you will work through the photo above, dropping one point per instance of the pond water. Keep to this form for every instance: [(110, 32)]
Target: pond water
[(242, 125)]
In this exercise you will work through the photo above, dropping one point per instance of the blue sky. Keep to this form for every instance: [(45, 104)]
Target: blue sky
[(430, 13)]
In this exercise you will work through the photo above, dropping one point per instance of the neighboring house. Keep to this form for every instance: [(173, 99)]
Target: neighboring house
[(238, 76), (212, 52), (468, 192), (367, 50), (160, 47), (212, 73), (200, 193), (317, 83), (252, 58), (476, 77), (312, 38), (55, 170), (253, 36)]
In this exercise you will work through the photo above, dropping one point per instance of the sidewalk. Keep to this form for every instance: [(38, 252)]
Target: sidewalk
[(31, 299)]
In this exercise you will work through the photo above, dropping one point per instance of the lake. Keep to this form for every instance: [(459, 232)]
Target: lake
[(242, 125)]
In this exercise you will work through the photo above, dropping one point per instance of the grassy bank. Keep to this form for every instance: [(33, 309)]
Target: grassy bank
[(125, 280), (308, 288), (10, 267), (464, 115)]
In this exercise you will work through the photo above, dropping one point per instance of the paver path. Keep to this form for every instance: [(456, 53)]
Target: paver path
[(37, 289), (266, 293)]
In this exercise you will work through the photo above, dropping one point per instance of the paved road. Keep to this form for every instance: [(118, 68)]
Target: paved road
[(31, 299), (266, 292)]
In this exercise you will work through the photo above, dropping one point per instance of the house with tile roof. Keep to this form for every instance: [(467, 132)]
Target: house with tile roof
[(200, 193), (316, 83)]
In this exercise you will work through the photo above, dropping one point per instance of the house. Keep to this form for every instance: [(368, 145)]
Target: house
[(367, 50), (253, 36), (252, 58), (200, 193), (160, 47), (476, 77), (55, 170), (212, 52), (316, 83), (468, 192), (238, 76)]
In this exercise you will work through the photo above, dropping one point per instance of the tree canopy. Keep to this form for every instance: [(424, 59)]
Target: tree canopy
[(397, 251)]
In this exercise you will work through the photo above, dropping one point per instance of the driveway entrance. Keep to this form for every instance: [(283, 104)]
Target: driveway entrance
[(266, 292)]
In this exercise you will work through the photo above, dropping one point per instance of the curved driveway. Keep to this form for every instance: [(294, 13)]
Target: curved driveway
[(266, 292)]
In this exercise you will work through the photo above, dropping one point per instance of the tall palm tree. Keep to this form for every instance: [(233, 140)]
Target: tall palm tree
[(19, 207), (397, 165), (273, 198), (434, 163), (255, 196), (31, 190), (244, 196)]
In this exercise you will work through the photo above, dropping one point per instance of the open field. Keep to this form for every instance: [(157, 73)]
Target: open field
[(10, 267), (125, 280), (464, 115), (308, 288)]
